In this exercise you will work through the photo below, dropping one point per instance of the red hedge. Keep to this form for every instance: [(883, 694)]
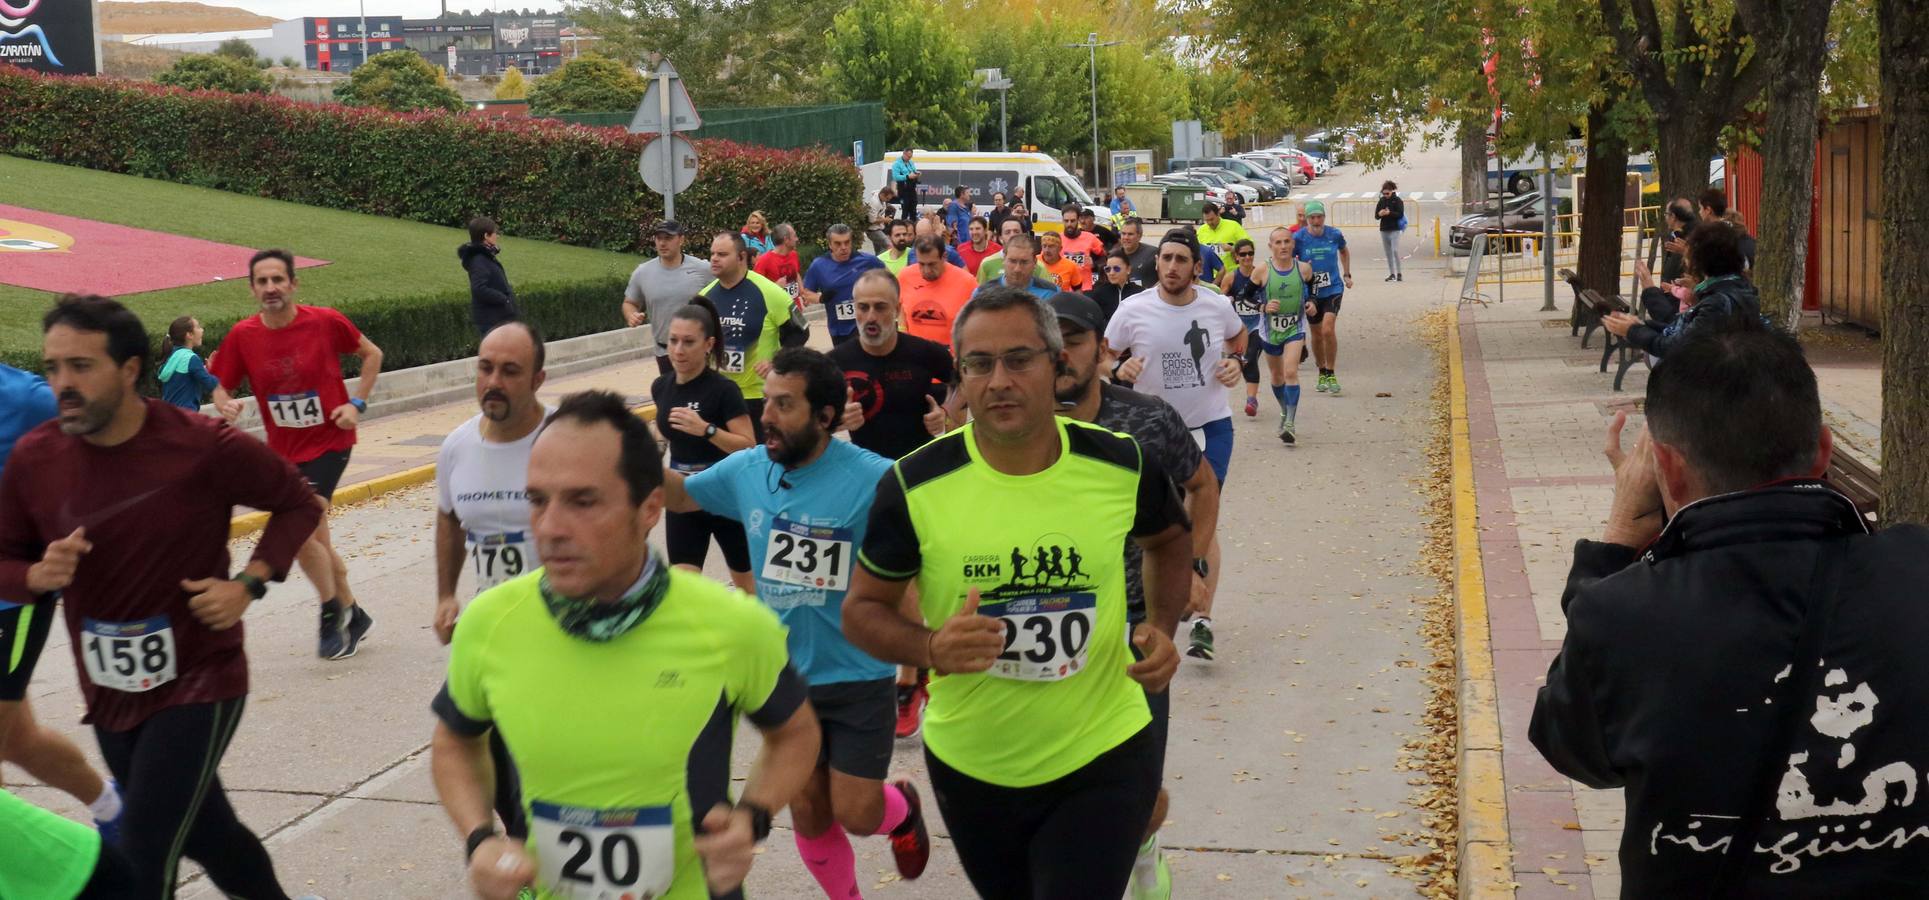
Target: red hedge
[(539, 178)]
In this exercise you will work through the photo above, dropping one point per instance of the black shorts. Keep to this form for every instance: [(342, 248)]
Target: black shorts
[(1161, 706), (23, 632), (1324, 305), (324, 472), (686, 537), (859, 724)]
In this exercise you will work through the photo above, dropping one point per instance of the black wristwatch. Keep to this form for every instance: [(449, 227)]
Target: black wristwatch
[(1200, 566), (256, 587), (759, 820), (477, 837), (709, 431)]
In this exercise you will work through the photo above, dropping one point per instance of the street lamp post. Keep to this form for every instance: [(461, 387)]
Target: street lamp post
[(1091, 46), (362, 7), (995, 80)]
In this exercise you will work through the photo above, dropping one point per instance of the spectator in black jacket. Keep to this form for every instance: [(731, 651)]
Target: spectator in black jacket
[(1753, 672), (1391, 211), (1714, 257), (491, 300), (1714, 208)]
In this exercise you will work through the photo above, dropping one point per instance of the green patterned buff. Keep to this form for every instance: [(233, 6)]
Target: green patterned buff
[(601, 622)]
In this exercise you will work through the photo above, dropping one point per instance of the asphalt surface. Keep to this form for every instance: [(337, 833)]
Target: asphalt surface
[(1284, 761)]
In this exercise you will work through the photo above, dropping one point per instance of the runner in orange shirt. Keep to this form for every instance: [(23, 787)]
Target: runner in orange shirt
[(933, 291), (1052, 261)]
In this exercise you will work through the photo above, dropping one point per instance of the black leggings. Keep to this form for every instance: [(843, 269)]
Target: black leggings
[(176, 807), (1249, 362), (113, 877), (1070, 839)]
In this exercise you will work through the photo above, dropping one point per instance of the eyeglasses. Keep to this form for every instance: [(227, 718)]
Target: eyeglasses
[(1114, 269), (979, 365)]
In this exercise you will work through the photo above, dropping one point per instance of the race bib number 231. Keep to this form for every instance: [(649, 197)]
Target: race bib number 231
[(811, 556)]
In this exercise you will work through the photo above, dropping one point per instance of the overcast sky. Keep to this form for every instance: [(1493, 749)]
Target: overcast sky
[(411, 9)]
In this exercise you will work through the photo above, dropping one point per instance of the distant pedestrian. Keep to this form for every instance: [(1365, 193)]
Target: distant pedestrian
[(780, 263), (1392, 213), (904, 176), (184, 377), (756, 234), (1235, 208), (958, 214), (1000, 210), (1120, 205), (491, 300)]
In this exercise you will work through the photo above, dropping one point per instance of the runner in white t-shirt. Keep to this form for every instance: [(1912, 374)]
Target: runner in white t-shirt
[(1184, 342), (482, 512)]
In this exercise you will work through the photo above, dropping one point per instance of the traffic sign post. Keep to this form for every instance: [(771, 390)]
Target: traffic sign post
[(669, 163)]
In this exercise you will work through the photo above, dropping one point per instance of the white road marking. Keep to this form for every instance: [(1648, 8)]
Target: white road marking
[(1439, 195)]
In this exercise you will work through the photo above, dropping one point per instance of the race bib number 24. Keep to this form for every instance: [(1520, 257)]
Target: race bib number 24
[(593, 854)]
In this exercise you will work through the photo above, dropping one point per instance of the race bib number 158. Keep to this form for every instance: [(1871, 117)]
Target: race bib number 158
[(128, 656)]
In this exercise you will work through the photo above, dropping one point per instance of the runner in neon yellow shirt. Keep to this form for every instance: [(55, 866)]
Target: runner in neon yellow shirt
[(1219, 232), (1037, 736), (616, 683)]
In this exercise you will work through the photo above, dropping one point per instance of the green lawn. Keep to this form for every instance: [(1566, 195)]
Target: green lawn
[(369, 256)]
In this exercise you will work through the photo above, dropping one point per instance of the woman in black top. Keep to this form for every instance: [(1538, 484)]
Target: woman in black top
[(1392, 213), (702, 416), (1115, 283)]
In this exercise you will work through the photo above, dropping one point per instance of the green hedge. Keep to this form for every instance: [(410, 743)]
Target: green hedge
[(538, 178), (431, 328)]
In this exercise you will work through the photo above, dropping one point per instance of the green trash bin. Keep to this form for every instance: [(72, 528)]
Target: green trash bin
[(1185, 203)]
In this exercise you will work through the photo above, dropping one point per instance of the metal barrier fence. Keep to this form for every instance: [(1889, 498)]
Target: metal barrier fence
[(780, 127)]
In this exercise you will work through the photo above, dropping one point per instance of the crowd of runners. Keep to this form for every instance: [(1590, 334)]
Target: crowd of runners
[(979, 520)]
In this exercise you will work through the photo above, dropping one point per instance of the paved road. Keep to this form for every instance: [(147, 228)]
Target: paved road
[(1285, 752)]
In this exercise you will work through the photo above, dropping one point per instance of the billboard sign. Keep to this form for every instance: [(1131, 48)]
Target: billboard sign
[(517, 34), (50, 36), (1131, 166)]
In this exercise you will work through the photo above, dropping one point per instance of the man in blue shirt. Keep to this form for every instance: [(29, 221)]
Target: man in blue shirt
[(830, 278), (1325, 249), (957, 214), (904, 175), (804, 499)]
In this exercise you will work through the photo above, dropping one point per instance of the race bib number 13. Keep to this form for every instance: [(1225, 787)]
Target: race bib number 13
[(812, 556), (593, 854), (295, 410), (847, 310), (1046, 637), (128, 656)]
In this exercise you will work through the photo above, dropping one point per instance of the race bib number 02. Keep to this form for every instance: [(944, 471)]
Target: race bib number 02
[(594, 854), (295, 410), (811, 556), (733, 360), (128, 656), (1046, 637), (498, 557)]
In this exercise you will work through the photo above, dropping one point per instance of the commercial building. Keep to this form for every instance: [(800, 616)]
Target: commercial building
[(334, 44), (456, 44)]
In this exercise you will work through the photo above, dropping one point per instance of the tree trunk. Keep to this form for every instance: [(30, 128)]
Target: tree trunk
[(1684, 143), (1904, 26), (1603, 203), (1792, 34), (1473, 164)]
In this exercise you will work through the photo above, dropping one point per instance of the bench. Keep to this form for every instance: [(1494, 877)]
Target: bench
[(1855, 480), (1599, 305), (1581, 316)]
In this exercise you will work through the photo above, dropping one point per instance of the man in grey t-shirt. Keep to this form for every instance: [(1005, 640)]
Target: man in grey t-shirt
[(660, 287)]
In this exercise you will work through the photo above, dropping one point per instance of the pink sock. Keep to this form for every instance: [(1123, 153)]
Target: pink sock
[(829, 858), (896, 809)]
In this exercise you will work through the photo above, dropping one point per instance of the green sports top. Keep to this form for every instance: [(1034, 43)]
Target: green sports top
[(45, 857), (620, 745), (1290, 290), (1043, 551)]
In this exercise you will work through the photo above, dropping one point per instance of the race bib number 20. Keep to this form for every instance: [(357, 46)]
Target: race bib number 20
[(1046, 637), (128, 656), (594, 854)]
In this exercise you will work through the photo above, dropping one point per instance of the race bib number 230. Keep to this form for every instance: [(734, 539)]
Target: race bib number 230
[(1046, 637), (603, 854)]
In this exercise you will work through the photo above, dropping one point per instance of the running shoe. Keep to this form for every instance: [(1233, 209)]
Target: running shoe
[(1333, 384), (358, 625), (110, 829), (1389, 278), (334, 631), (1159, 886), (911, 702), (1201, 640), (1320, 385), (910, 841), (1286, 429), (1252, 406)]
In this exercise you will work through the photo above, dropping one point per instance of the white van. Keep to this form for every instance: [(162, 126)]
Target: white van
[(1048, 187)]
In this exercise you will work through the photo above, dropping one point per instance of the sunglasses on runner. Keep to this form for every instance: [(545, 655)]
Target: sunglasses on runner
[(1114, 269)]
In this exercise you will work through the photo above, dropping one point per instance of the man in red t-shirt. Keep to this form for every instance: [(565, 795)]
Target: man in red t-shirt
[(119, 511), (290, 356), (779, 264), (980, 247)]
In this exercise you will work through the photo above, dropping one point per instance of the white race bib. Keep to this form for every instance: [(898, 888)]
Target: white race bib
[(295, 410), (498, 557), (1322, 280), (733, 361), (603, 854), (812, 556), (128, 656), (1282, 324), (1046, 637), (847, 311)]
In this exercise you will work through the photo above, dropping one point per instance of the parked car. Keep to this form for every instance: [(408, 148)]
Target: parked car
[(1287, 166), (1525, 212), (1214, 192), (1243, 169), (1320, 164), (1299, 162), (1267, 190), (1224, 182)]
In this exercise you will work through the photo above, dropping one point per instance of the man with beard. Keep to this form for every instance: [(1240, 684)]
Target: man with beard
[(1163, 437), (120, 512), (482, 511), (290, 355), (899, 256), (805, 502), (756, 315), (830, 277)]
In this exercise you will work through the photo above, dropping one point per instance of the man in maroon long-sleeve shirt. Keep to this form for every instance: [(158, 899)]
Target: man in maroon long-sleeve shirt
[(120, 509)]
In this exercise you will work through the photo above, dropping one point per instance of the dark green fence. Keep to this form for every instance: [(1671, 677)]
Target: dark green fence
[(782, 127)]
